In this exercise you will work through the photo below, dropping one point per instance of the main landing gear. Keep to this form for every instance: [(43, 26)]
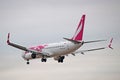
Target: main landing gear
[(43, 60), (60, 60)]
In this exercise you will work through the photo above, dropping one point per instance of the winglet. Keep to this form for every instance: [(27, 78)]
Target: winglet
[(8, 42), (110, 44)]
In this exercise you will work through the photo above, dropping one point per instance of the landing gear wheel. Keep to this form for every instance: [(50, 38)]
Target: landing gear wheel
[(43, 60), (28, 62), (60, 60)]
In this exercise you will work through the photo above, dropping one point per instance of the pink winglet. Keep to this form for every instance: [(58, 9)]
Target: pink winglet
[(110, 44), (8, 38)]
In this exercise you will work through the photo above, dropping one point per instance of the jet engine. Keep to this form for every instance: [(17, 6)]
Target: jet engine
[(28, 56)]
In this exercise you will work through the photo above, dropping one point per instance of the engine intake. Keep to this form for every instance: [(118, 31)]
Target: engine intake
[(28, 56), (33, 55)]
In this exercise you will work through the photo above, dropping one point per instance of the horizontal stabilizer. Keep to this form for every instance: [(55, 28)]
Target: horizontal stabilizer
[(94, 41), (74, 41)]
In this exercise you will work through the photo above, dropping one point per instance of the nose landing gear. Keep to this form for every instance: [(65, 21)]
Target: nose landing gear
[(28, 62)]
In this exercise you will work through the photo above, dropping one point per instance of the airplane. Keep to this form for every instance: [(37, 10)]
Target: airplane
[(58, 51)]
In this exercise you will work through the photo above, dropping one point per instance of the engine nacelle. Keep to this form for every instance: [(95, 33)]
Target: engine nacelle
[(28, 56)]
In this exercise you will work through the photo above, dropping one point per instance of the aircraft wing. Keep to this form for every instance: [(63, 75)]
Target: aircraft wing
[(16, 45), (26, 49), (95, 49), (46, 54), (22, 48)]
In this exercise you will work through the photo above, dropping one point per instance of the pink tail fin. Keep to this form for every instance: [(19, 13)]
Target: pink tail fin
[(79, 31)]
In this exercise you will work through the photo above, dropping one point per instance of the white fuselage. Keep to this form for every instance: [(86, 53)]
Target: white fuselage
[(62, 48), (55, 50)]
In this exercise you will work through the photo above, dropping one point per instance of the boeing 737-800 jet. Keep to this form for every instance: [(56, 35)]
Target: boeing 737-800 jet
[(58, 50)]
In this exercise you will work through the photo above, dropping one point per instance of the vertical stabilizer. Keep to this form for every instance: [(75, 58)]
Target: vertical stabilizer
[(79, 31)]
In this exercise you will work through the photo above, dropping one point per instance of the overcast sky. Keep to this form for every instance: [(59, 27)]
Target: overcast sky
[(34, 22)]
